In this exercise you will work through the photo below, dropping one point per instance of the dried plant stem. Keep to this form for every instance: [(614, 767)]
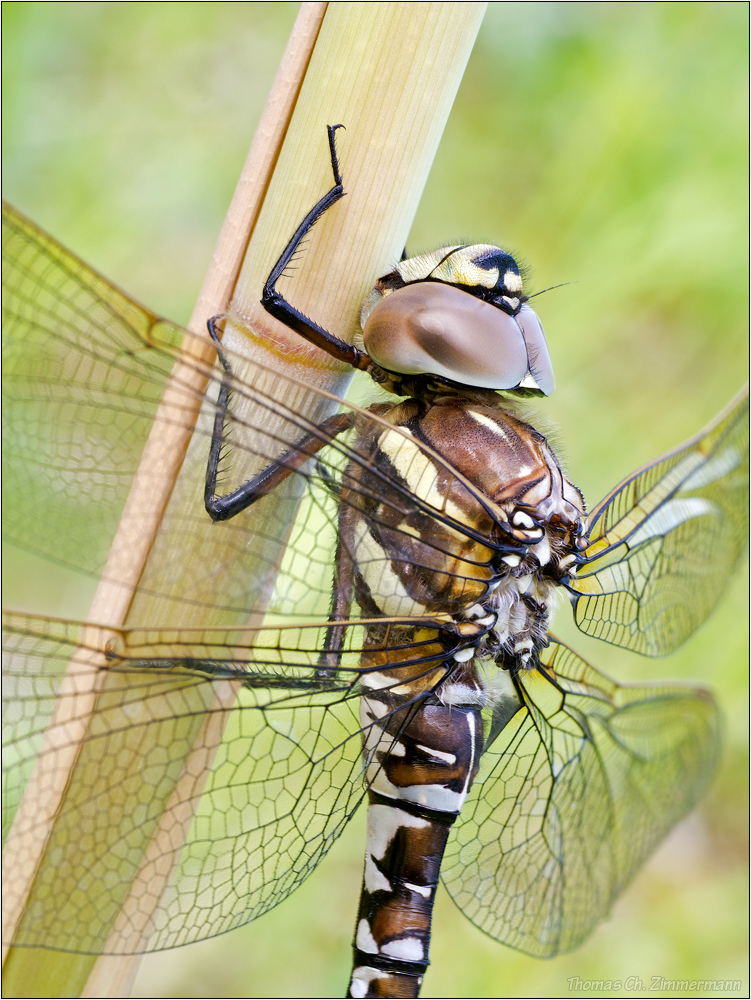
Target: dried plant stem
[(389, 72)]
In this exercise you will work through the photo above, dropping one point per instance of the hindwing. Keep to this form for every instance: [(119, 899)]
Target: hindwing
[(664, 543)]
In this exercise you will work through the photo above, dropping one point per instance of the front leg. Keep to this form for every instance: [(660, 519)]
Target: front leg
[(223, 508), (275, 303)]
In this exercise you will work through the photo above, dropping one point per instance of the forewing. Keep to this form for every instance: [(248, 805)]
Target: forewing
[(576, 790), (664, 543), (82, 378), (211, 772), (263, 783), (85, 369)]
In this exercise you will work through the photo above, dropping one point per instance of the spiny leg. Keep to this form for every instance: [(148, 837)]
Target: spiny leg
[(223, 508), (277, 305), (341, 594)]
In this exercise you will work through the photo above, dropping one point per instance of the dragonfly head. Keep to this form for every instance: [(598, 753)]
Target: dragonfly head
[(458, 313)]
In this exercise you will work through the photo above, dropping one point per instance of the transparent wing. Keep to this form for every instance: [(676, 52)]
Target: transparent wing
[(249, 763), (573, 794), (85, 369), (664, 543), (80, 391), (155, 737), (164, 731)]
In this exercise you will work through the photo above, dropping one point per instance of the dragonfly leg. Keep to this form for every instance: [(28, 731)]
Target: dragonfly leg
[(341, 595), (223, 508), (275, 303)]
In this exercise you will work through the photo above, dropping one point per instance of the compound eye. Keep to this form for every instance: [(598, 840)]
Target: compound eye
[(432, 328), (540, 365)]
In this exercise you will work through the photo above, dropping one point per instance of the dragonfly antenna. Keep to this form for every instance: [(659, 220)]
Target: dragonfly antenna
[(551, 287)]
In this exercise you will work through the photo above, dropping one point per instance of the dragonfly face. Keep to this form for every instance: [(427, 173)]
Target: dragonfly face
[(458, 313), (425, 678)]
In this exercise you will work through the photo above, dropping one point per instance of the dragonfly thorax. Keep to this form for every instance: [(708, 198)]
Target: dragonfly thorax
[(502, 530)]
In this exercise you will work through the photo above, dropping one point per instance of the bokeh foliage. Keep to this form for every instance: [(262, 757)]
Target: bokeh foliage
[(606, 144)]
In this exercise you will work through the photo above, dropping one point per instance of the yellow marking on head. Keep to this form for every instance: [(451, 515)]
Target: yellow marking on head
[(418, 268), (512, 281), (460, 269)]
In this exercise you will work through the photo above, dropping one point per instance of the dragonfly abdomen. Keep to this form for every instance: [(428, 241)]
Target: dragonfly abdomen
[(421, 762)]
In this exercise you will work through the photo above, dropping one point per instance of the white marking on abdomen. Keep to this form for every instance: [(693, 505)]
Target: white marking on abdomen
[(374, 878), (471, 722), (436, 797), (409, 949), (384, 823), (364, 938), (426, 891), (362, 978), (450, 758)]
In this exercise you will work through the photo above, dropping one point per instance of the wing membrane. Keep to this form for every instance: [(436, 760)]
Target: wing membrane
[(73, 345), (249, 763), (148, 744), (572, 796), (210, 769), (663, 544), (84, 374)]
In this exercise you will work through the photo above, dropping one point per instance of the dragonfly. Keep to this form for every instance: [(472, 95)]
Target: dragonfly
[(366, 620)]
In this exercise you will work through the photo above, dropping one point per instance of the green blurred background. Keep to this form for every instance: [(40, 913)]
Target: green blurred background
[(606, 145)]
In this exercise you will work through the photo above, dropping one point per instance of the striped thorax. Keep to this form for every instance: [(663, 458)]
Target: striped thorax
[(506, 531)]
